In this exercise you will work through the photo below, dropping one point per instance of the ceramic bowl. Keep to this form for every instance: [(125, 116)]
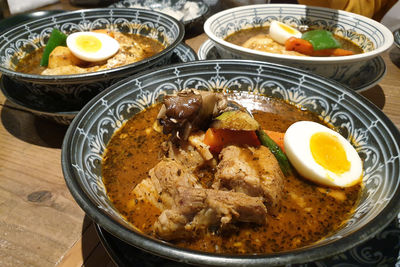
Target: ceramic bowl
[(396, 34), (38, 106), (6, 24), (378, 144), (76, 90), (373, 37), (60, 112), (358, 78)]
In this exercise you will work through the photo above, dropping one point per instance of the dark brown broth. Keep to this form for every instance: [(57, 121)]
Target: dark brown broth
[(298, 223)]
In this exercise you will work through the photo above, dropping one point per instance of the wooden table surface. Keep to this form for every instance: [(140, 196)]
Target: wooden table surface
[(40, 223)]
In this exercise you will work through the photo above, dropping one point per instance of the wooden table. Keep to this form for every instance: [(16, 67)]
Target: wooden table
[(40, 223)]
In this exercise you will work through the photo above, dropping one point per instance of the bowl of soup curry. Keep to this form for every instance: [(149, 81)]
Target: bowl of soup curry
[(42, 57), (194, 162), (324, 41)]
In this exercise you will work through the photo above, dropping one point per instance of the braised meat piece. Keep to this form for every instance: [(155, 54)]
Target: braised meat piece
[(166, 176), (252, 171), (161, 188), (197, 209), (188, 208)]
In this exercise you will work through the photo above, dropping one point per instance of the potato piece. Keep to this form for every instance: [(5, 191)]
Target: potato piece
[(64, 70), (62, 56)]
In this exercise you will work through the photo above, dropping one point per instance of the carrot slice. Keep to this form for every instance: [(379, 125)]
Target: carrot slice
[(299, 45), (277, 137), (337, 52), (216, 139)]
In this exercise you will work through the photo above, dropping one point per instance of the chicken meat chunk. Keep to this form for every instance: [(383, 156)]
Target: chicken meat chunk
[(188, 208), (252, 171)]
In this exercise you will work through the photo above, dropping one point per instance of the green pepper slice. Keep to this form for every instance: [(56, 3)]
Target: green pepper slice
[(280, 156), (56, 38), (321, 39)]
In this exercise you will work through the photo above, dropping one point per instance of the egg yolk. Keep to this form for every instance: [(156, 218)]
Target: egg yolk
[(87, 43), (287, 29), (328, 152)]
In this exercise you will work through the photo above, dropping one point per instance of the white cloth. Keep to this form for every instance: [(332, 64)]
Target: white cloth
[(19, 6)]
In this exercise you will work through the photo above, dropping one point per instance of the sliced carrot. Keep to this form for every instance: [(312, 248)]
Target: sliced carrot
[(277, 137), (109, 33), (337, 52), (218, 138), (299, 45)]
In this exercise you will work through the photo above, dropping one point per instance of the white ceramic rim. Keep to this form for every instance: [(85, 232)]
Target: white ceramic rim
[(316, 60), (207, 44)]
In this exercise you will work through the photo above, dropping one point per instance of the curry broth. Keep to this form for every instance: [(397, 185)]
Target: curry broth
[(307, 212), (148, 47), (241, 36)]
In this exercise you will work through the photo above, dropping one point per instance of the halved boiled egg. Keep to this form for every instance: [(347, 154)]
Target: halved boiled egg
[(280, 32), (322, 155), (92, 46)]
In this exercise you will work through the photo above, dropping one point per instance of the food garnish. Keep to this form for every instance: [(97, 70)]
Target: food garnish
[(217, 139), (322, 155), (280, 32), (311, 43), (56, 38), (299, 45), (321, 39), (318, 43), (235, 120), (92, 46), (276, 150), (242, 122)]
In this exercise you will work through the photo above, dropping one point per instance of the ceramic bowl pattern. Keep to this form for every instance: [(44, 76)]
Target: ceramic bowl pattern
[(396, 35), (193, 23), (370, 35), (78, 89), (176, 5), (46, 107), (39, 106), (7, 23), (358, 77), (376, 139), (383, 249)]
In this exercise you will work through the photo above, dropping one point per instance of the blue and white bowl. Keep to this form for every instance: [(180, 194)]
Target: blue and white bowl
[(373, 37), (45, 106), (377, 142), (396, 34), (358, 78), (76, 90)]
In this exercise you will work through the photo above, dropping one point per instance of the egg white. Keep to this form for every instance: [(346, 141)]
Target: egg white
[(109, 46), (279, 34), (297, 148)]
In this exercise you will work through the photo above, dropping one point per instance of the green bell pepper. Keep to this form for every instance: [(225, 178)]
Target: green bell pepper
[(321, 39), (280, 156), (56, 38)]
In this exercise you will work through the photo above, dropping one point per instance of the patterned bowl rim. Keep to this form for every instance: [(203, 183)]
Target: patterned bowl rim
[(27, 106), (163, 249), (202, 5), (208, 44), (396, 35), (98, 74), (316, 60)]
